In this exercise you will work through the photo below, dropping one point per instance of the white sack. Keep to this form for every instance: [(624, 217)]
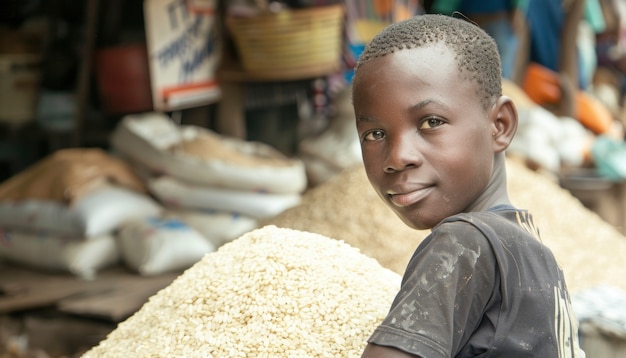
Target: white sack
[(97, 213), (175, 193), (219, 227), (83, 258), (147, 139), (154, 245)]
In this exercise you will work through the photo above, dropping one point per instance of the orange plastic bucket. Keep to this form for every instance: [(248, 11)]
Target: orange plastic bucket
[(542, 86)]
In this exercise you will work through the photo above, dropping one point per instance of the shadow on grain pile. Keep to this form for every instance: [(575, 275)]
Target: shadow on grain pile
[(589, 249)]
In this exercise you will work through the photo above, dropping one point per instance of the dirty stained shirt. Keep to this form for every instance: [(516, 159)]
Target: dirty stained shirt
[(482, 284)]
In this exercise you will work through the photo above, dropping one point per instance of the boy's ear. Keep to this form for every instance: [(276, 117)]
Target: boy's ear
[(504, 123)]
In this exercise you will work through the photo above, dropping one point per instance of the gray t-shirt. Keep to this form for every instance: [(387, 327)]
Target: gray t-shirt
[(482, 285)]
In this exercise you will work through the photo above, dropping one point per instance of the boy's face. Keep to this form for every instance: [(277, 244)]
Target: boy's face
[(426, 140)]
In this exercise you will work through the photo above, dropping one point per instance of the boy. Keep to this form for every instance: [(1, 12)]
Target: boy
[(434, 127)]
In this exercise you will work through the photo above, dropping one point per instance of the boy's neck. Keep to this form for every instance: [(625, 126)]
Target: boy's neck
[(496, 191)]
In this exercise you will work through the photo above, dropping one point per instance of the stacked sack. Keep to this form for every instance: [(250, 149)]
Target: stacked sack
[(81, 210), (62, 213), (219, 185)]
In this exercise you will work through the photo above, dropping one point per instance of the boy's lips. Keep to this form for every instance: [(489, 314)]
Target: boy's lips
[(402, 198)]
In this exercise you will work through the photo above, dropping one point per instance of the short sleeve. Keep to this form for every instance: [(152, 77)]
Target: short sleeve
[(445, 291)]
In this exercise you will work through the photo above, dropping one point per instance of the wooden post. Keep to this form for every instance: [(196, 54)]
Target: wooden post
[(84, 76)]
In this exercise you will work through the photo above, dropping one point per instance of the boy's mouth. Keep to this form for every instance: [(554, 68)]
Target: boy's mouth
[(408, 197)]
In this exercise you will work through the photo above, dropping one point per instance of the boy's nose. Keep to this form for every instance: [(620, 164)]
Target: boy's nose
[(402, 153)]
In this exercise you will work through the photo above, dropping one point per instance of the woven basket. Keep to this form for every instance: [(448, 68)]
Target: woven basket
[(291, 43)]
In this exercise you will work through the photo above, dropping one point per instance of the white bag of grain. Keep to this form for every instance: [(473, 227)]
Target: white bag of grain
[(97, 213), (338, 147), (178, 194), (270, 293), (152, 246), (600, 311), (603, 306), (219, 227), (83, 258), (203, 157)]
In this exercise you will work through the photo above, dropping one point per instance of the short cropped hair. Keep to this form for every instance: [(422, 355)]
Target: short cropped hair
[(475, 51)]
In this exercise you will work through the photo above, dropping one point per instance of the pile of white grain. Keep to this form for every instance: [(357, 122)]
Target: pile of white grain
[(590, 250), (272, 292)]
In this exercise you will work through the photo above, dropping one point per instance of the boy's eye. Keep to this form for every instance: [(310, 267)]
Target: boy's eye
[(431, 122), (373, 135)]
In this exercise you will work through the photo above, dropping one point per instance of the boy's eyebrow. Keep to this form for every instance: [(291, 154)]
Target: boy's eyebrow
[(417, 106), (426, 102), (365, 119)]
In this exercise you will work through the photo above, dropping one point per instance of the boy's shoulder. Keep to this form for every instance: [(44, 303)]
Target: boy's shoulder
[(502, 223), (500, 215)]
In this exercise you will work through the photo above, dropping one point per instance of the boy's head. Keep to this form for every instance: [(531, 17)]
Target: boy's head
[(479, 62), (431, 119)]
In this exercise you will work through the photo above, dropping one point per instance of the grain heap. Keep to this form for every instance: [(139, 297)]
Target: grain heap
[(590, 250), (272, 292)]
